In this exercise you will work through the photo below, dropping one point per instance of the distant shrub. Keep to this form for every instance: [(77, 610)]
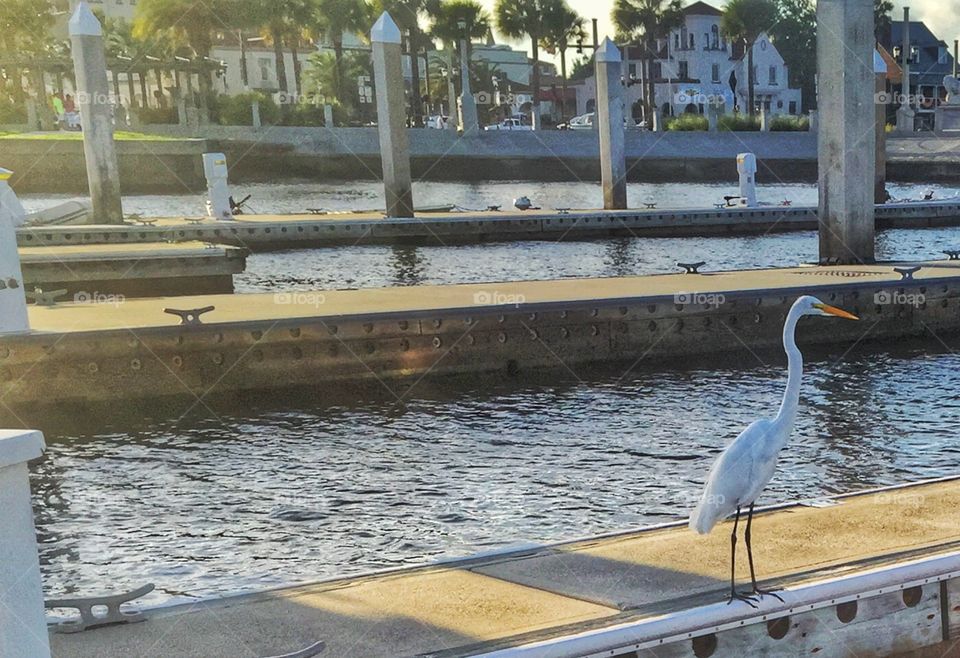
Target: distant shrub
[(688, 122), (787, 123), (12, 113), (238, 110), (158, 115), (738, 122)]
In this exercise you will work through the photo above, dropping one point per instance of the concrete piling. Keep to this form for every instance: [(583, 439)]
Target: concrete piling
[(96, 115), (391, 116), (468, 104), (328, 116), (880, 174), (13, 302), (609, 117), (255, 115), (218, 188), (905, 115), (451, 93), (23, 627), (846, 139)]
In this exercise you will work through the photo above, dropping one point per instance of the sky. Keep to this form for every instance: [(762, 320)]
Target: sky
[(941, 16)]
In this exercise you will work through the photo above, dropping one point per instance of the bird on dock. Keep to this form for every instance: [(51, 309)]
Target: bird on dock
[(743, 470)]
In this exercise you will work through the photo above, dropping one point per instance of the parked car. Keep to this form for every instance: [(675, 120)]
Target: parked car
[(585, 122), (509, 124), (438, 122)]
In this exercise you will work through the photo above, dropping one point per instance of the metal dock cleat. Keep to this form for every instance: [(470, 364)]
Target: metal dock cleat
[(189, 316), (88, 619), (906, 273), (43, 298), (692, 268)]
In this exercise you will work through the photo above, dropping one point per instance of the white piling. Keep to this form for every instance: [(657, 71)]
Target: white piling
[(747, 169), (256, 122), (906, 114), (468, 104), (392, 116), (610, 120), (328, 116), (96, 115), (23, 627), (13, 300), (880, 175)]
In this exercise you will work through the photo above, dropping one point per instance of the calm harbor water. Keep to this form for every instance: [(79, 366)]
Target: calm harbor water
[(230, 497)]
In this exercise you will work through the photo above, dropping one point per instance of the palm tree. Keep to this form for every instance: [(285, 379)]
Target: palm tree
[(24, 34), (281, 23), (407, 14), (517, 19), (560, 29), (445, 21), (334, 18), (646, 21), (190, 23), (745, 21)]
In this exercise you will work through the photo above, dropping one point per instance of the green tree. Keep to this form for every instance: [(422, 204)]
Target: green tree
[(795, 36), (334, 18), (322, 80), (881, 18), (517, 19), (24, 35), (645, 22), (281, 23), (445, 20), (190, 24), (407, 14), (745, 21), (560, 29)]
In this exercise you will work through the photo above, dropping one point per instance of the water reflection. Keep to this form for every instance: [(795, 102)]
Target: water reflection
[(407, 264), (265, 491)]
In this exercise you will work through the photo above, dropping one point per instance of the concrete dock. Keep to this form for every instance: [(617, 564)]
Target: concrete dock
[(876, 573), (268, 341), (89, 271), (265, 232)]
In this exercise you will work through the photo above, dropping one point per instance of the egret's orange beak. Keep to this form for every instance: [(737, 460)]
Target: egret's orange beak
[(833, 310)]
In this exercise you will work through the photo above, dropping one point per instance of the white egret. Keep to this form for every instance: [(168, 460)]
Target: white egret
[(746, 466)]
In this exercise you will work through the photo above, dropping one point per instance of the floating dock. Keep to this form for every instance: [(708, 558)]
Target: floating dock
[(869, 574), (108, 352), (89, 272), (266, 232)]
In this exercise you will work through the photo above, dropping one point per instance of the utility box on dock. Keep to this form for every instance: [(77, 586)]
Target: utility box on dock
[(218, 188), (747, 168)]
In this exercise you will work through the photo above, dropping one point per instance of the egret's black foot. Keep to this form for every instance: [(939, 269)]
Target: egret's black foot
[(742, 596), (764, 592)]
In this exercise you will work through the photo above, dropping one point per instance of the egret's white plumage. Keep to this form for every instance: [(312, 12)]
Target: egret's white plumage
[(746, 466)]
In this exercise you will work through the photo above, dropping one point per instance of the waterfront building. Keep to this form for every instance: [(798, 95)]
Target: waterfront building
[(930, 60), (696, 65)]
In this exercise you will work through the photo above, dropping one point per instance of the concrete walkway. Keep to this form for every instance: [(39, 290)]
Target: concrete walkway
[(473, 605)]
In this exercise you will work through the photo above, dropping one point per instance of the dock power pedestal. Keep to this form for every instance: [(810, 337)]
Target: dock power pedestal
[(218, 189), (747, 168)]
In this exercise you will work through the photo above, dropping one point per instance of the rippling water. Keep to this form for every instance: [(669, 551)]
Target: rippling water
[(317, 484)]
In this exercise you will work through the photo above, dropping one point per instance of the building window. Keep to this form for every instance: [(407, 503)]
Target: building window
[(691, 41), (684, 70), (266, 69), (676, 41), (793, 107), (632, 68), (657, 71), (715, 73), (942, 56), (773, 75), (715, 37)]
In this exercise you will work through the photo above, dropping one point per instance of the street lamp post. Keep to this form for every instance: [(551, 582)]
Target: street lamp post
[(468, 105)]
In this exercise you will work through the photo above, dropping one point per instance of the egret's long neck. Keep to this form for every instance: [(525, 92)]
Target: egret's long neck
[(791, 397)]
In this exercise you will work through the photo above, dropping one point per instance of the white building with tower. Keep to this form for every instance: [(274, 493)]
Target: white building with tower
[(697, 65)]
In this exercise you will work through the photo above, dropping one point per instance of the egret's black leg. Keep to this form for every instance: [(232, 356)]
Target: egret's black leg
[(753, 575), (734, 594)]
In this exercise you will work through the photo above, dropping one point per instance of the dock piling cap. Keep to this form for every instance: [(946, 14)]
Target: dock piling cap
[(19, 446), (608, 52), (84, 23), (385, 30)]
